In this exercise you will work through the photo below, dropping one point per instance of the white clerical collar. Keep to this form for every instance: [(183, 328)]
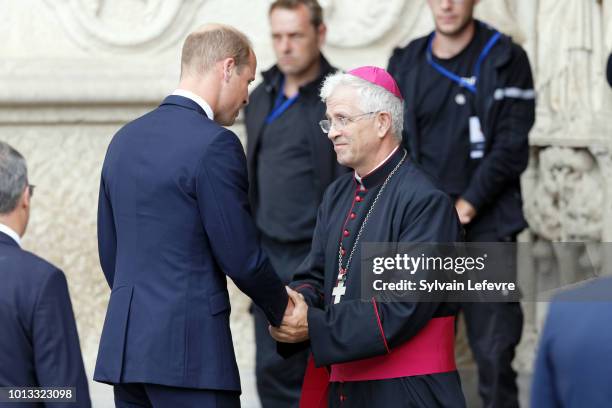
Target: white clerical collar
[(358, 178), (197, 99), (11, 233)]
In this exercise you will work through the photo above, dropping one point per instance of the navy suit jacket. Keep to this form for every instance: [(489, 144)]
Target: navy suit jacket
[(173, 221), (574, 363), (39, 343)]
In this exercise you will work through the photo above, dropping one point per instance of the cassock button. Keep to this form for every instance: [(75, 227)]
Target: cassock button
[(353, 216), (346, 233), (343, 251), (358, 199)]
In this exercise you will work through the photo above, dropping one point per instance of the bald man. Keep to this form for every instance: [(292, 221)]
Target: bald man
[(173, 221)]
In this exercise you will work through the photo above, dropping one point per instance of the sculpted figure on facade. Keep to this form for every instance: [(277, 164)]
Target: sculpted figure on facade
[(125, 25), (566, 199), (570, 61)]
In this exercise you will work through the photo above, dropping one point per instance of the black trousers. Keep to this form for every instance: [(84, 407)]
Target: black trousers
[(494, 330), (279, 380), (161, 396)]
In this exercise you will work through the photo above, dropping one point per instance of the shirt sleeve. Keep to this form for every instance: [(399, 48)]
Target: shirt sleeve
[(310, 276), (509, 151)]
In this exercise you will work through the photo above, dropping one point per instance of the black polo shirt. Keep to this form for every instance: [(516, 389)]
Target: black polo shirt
[(443, 109), (287, 207)]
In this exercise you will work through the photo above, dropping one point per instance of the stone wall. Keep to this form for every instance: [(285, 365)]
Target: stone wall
[(72, 72)]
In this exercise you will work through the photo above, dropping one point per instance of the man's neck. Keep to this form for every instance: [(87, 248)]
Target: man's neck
[(13, 223), (447, 46), (207, 90), (294, 82), (377, 161)]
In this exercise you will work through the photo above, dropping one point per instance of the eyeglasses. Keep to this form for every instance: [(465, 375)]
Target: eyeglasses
[(31, 189), (341, 122)]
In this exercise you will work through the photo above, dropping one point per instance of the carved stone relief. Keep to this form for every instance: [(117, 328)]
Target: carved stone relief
[(125, 25), (570, 61), (355, 23), (565, 196), (502, 14)]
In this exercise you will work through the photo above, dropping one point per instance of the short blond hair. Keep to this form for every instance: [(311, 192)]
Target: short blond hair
[(203, 48)]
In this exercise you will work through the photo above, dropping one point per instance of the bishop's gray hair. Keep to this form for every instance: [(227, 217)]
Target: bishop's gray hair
[(13, 177), (373, 98)]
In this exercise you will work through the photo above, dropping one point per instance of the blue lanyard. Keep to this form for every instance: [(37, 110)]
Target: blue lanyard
[(469, 83), (279, 105)]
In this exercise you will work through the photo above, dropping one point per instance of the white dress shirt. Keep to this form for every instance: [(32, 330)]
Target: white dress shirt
[(197, 99), (11, 233)]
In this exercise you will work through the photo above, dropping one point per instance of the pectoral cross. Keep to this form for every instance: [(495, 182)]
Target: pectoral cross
[(339, 291)]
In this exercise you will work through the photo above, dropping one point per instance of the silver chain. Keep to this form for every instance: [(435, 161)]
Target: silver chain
[(365, 221)]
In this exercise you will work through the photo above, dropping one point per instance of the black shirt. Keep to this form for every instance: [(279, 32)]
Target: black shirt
[(443, 109), (287, 207)]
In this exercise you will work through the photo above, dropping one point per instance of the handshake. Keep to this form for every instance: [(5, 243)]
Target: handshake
[(294, 328)]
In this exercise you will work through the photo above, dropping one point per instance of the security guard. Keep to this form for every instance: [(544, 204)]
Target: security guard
[(471, 107)]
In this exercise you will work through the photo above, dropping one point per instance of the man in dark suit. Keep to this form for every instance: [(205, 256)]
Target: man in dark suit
[(173, 221), (573, 367), (39, 344)]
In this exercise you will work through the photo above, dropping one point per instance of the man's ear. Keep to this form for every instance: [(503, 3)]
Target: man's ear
[(228, 66), (321, 33), (383, 123), (24, 201)]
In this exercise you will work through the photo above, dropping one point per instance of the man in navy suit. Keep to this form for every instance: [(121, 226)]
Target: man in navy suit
[(173, 221), (39, 344), (573, 367)]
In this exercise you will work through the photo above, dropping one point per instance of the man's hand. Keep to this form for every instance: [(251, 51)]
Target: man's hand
[(294, 328), (290, 305), (465, 210)]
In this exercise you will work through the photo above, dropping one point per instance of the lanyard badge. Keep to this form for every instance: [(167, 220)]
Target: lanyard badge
[(281, 106), (477, 139), (468, 83)]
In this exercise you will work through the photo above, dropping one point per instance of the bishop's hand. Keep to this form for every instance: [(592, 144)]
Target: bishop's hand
[(294, 328), (465, 211), (290, 307)]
